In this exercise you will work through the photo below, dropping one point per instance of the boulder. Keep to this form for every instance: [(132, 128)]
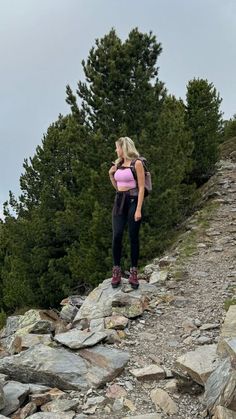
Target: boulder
[(158, 277), (100, 302), (129, 305), (51, 415), (151, 372), (228, 348), (228, 329), (2, 398), (59, 367), (223, 413), (162, 399), (146, 416), (15, 394), (199, 364), (220, 388), (76, 339), (116, 322)]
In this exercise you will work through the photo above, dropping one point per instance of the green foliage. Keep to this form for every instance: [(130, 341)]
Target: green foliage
[(229, 302), (204, 120), (230, 128), (119, 96), (3, 318)]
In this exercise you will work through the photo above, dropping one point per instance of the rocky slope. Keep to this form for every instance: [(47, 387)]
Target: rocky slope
[(148, 353)]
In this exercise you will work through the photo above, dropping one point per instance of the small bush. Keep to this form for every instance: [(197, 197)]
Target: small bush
[(3, 318), (229, 302)]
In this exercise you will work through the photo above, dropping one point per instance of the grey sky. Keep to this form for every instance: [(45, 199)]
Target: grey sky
[(43, 42)]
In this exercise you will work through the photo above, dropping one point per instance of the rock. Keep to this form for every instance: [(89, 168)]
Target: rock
[(59, 367), (188, 340), (188, 325), (3, 379), (129, 305), (104, 364), (62, 405), (204, 340), (50, 415), (31, 339), (197, 322), (209, 326), (94, 401), (73, 300), (220, 388), (228, 348), (118, 404), (228, 329), (33, 321), (114, 336), (12, 324), (115, 391), (158, 277), (68, 313), (116, 322), (148, 269), (37, 388), (166, 261), (99, 303), (223, 413), (2, 398), (97, 325), (43, 398), (199, 363), (146, 416), (162, 399), (173, 343), (128, 403), (76, 339), (171, 385), (15, 394), (26, 411), (12, 344), (151, 372)]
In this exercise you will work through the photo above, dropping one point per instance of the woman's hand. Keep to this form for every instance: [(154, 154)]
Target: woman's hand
[(137, 215), (112, 170)]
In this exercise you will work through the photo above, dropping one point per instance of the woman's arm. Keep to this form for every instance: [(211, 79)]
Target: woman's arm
[(113, 181), (111, 175), (141, 183)]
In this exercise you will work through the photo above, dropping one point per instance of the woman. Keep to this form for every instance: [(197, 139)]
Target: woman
[(127, 207)]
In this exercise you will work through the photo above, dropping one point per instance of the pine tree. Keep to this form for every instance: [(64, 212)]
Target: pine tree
[(122, 93), (230, 128), (171, 159), (204, 120)]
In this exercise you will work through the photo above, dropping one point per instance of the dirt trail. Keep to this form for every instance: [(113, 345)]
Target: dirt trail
[(203, 276)]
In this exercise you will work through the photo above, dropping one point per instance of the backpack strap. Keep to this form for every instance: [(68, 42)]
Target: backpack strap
[(142, 159), (132, 167)]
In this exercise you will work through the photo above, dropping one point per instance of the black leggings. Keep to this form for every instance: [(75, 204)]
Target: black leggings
[(119, 220)]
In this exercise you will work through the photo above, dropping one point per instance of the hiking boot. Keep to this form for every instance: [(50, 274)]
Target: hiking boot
[(133, 278), (116, 276)]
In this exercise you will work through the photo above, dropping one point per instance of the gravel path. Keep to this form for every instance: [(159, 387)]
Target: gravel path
[(201, 278)]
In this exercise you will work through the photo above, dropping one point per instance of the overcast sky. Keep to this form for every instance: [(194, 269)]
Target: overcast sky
[(43, 42)]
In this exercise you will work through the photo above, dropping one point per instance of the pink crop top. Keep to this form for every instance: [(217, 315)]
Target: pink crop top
[(124, 177)]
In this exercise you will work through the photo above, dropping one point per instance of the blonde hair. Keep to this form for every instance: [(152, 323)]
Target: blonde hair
[(129, 149)]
